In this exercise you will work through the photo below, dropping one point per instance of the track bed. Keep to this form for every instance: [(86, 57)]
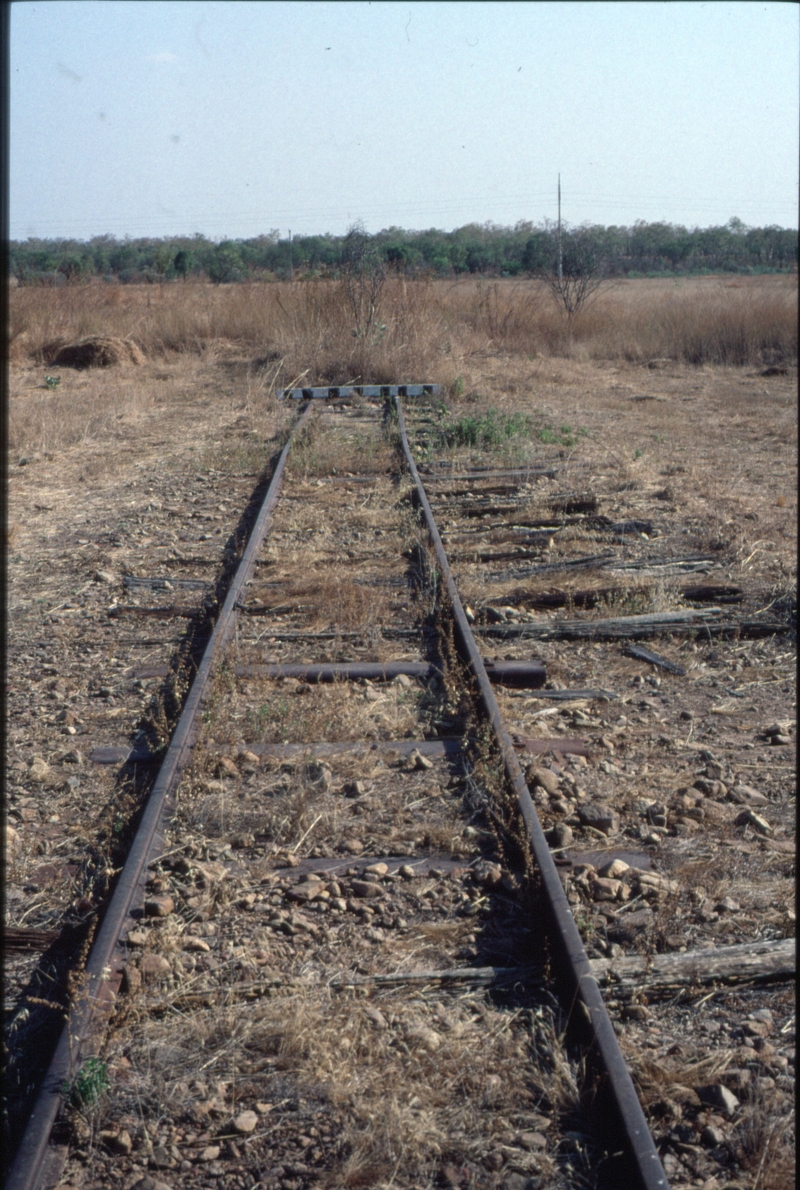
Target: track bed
[(339, 975)]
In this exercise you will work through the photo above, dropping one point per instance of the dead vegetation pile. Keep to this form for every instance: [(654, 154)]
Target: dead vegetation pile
[(98, 352)]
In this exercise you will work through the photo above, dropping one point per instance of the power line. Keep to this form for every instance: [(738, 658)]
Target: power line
[(230, 222)]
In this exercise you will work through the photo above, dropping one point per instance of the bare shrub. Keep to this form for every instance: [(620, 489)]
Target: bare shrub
[(363, 277)]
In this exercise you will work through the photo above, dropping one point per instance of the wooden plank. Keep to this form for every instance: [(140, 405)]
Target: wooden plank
[(728, 964), (635, 629), (20, 938)]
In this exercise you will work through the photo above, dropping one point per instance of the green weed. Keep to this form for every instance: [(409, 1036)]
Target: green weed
[(563, 436), (88, 1084), (487, 431)]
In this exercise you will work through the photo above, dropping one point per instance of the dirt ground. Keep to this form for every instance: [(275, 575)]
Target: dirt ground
[(163, 460)]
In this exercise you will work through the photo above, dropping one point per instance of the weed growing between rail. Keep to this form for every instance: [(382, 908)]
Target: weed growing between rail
[(493, 429)]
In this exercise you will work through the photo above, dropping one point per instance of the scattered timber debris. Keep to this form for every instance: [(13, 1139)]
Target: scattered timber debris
[(642, 654)]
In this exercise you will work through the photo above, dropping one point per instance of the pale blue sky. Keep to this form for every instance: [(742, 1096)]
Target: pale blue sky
[(230, 119)]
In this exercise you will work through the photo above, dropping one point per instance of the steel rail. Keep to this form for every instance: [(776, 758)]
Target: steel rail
[(615, 1087), (103, 971)]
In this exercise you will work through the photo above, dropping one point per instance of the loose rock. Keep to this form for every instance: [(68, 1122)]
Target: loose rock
[(750, 818), (745, 795), (354, 789), (309, 890), (560, 836), (39, 770), (155, 967), (543, 778), (245, 1122), (606, 889), (118, 1142), (366, 888), (718, 1097), (600, 817), (423, 1037), (352, 846), (532, 1141), (614, 869), (12, 840), (227, 768), (159, 906), (196, 945)]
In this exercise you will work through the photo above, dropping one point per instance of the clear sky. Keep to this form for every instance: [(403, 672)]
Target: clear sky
[(168, 117)]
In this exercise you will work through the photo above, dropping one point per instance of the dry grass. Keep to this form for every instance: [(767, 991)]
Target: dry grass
[(328, 600), (316, 453), (440, 1080), (426, 329), (95, 407), (270, 336)]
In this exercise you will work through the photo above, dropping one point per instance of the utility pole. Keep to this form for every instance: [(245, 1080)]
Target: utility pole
[(291, 271), (560, 256)]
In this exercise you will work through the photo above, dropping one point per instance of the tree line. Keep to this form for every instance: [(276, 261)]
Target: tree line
[(645, 249)]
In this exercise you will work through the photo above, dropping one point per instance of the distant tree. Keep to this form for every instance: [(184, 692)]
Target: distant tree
[(538, 253), (399, 256), (224, 264), (479, 258), (19, 267), (163, 260), (71, 267), (183, 262)]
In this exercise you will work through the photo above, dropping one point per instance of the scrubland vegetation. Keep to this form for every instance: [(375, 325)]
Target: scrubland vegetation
[(488, 249), (423, 329)]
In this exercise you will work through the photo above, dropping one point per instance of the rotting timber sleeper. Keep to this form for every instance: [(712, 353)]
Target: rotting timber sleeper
[(635, 1160)]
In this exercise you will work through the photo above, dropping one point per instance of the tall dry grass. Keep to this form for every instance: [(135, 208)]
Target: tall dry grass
[(426, 329)]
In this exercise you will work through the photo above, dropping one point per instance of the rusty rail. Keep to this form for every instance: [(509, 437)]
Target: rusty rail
[(103, 971), (614, 1089)]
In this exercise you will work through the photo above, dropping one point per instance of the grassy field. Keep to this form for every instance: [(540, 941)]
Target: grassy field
[(430, 328), (642, 369)]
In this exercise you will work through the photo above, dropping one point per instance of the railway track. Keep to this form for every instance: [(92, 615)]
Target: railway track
[(339, 899)]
